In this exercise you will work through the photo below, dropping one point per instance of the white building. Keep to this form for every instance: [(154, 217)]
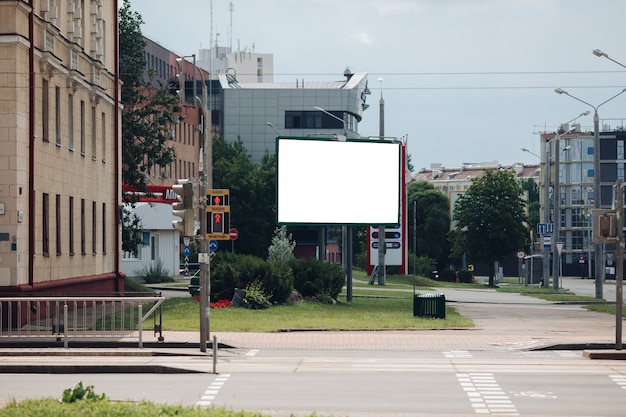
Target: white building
[(160, 241), (246, 65)]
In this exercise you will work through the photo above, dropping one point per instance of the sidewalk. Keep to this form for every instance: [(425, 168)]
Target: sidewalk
[(503, 322)]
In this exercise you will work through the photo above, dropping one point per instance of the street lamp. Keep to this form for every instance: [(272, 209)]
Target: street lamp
[(545, 252), (556, 262), (596, 176), (599, 53)]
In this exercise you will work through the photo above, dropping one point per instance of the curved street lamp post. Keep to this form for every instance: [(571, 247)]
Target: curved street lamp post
[(599, 275)]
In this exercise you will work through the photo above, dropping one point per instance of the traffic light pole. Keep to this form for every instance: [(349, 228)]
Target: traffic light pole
[(619, 260), (206, 181)]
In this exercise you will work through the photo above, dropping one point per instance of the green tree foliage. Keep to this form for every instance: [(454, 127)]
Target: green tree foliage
[(147, 117), (252, 194), (531, 186), (493, 213), (432, 219), (281, 249)]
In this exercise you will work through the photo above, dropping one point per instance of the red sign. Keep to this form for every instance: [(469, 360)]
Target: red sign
[(234, 234)]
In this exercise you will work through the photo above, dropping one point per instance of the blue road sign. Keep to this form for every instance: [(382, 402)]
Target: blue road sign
[(213, 245), (545, 228), (186, 250)]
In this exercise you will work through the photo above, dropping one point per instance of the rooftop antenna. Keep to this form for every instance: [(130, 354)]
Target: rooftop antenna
[(231, 7)]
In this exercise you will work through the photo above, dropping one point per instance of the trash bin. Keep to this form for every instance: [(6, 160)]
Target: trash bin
[(429, 305)]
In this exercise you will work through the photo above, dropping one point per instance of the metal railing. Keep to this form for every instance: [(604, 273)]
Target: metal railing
[(78, 317)]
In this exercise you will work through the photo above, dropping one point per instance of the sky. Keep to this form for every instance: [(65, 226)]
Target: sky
[(463, 81)]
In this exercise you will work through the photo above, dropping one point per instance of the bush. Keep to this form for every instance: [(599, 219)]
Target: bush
[(230, 271), (315, 278), (255, 298), (424, 266), (447, 275), (466, 276), (155, 273)]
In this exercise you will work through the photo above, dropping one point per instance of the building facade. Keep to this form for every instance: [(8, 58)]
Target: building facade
[(60, 177), (258, 112), (577, 196)]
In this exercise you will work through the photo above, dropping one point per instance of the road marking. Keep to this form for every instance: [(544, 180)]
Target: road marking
[(458, 354), (211, 392), (485, 394), (252, 352), (619, 380)]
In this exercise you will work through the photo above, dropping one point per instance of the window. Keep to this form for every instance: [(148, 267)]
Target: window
[(93, 227), (82, 128), (104, 228), (104, 137), (70, 122), (57, 115), (58, 223), (620, 149), (313, 120), (45, 111), (45, 225), (83, 249), (71, 225), (153, 248), (93, 133)]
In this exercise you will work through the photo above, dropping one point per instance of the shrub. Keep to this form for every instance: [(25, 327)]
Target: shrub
[(255, 298), (423, 265), (315, 278), (466, 276), (447, 275), (155, 273), (230, 271)]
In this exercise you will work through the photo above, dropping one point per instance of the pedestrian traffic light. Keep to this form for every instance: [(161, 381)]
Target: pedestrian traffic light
[(218, 214), (219, 222), (184, 208), (181, 79)]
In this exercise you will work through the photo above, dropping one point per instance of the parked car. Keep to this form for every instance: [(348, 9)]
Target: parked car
[(194, 285)]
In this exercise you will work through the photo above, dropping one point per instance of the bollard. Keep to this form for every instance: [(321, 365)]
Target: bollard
[(214, 354)]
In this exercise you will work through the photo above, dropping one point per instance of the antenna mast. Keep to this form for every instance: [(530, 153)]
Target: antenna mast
[(231, 7)]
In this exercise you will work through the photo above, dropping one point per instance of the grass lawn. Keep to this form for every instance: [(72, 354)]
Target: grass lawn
[(373, 307)]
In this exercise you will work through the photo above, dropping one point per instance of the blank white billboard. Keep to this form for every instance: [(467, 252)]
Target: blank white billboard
[(322, 181)]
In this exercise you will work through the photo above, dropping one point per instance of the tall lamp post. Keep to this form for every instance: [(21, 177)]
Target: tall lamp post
[(545, 252), (556, 256), (346, 231), (596, 176)]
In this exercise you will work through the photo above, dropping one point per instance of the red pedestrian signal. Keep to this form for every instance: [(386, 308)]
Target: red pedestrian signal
[(219, 222)]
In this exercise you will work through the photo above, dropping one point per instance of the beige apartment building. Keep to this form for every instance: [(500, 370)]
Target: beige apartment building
[(60, 177)]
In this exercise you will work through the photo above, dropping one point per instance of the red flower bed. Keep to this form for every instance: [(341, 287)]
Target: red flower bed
[(220, 304)]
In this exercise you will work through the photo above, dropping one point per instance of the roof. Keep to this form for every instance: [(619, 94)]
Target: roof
[(466, 173)]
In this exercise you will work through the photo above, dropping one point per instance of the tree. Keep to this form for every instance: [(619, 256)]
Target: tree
[(432, 219), (531, 186), (252, 194), (492, 215), (147, 117)]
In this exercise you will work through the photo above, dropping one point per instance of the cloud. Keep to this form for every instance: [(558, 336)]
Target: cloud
[(363, 38)]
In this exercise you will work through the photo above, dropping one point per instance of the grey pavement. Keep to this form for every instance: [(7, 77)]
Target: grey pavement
[(503, 321)]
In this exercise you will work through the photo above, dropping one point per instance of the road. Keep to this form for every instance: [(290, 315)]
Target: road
[(370, 383), (488, 370)]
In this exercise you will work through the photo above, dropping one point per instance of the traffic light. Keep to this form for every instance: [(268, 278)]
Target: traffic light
[(219, 222), (184, 208), (605, 226), (218, 214), (181, 79)]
